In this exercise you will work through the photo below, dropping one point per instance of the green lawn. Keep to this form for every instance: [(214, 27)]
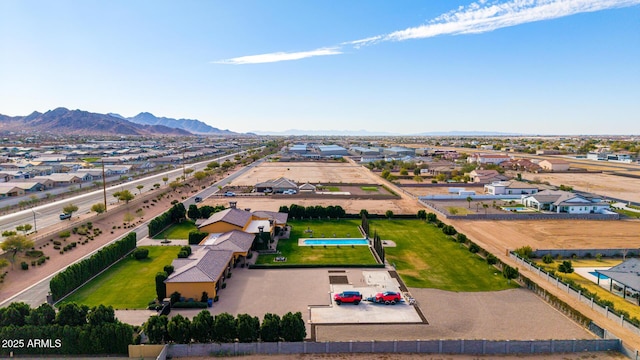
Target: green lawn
[(628, 213), (331, 188), (369, 188), (318, 254), (178, 231), (426, 258), (129, 284)]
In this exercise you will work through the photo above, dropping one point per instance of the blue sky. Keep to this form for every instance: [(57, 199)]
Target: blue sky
[(524, 66)]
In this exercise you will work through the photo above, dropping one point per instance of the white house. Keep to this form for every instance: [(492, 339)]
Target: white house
[(564, 202), (487, 158), (510, 187)]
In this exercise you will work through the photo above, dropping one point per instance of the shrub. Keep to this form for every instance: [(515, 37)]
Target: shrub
[(34, 253), (547, 259), (462, 238), (449, 230), (24, 266), (525, 252), (474, 248), (183, 254), (195, 237), (56, 242), (491, 259), (140, 253), (168, 269)]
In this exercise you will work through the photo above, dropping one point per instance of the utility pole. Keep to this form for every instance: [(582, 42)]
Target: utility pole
[(104, 187)]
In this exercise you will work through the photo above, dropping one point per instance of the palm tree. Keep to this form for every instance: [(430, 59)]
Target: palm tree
[(469, 198)]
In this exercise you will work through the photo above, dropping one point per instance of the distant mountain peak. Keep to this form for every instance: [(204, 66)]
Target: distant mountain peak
[(193, 126)]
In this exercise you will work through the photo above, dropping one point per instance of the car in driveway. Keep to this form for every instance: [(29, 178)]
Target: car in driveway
[(348, 297), (388, 297)]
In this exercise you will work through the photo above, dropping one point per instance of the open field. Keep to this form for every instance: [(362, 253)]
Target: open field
[(426, 258), (498, 236), (607, 185), (115, 286), (302, 172)]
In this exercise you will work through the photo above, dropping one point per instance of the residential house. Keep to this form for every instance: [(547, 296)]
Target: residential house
[(486, 176), (276, 186), (487, 158), (510, 187), (565, 202), (61, 179), (8, 190), (554, 165), (625, 280)]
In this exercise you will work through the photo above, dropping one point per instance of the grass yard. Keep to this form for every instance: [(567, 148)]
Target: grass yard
[(331, 188), (178, 231), (369, 188), (129, 284), (628, 213), (320, 255), (426, 258), (458, 210), (618, 302)]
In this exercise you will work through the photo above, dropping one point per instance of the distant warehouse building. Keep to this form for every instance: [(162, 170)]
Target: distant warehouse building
[(332, 150), (298, 148), (399, 151)]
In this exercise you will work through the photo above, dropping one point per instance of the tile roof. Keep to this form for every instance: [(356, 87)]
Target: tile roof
[(205, 265), (237, 241), (279, 217), (233, 216)]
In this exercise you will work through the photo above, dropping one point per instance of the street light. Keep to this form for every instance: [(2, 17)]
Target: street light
[(35, 226)]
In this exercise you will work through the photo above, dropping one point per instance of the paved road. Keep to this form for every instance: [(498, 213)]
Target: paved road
[(37, 293), (47, 215)]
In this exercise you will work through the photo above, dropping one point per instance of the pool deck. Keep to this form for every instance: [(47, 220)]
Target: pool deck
[(584, 272), (301, 242)]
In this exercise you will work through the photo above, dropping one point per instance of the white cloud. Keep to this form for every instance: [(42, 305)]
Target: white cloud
[(482, 16), (478, 17), (279, 56)]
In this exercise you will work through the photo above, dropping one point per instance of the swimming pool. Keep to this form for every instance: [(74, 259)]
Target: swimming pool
[(598, 275), (333, 242), (516, 209)]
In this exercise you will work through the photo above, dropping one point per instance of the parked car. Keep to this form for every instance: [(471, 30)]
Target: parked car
[(197, 199), (289, 192), (229, 193), (348, 297), (65, 216), (388, 297)]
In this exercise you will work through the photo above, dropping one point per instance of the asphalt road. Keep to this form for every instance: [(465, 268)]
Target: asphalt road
[(46, 215), (36, 294)]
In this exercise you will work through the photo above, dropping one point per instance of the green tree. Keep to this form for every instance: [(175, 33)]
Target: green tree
[(24, 228), (174, 185), (469, 199), (126, 196), (213, 165), (199, 175), (72, 314), (41, 316), (248, 328), (139, 187), (16, 314), (161, 287), (566, 267), (509, 272), (15, 244), (165, 179), (418, 178), (364, 212), (388, 214), (69, 209), (270, 328), (293, 328), (193, 212), (156, 329), (422, 214), (224, 328), (179, 329), (202, 327), (116, 195), (98, 208), (524, 251), (99, 315)]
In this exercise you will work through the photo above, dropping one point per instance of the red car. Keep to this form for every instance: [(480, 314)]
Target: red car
[(388, 297), (348, 297)]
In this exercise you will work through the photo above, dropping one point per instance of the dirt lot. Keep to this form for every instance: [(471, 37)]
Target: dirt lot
[(499, 236), (619, 187), (302, 172)]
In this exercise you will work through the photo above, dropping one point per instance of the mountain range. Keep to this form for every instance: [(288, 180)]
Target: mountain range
[(77, 122)]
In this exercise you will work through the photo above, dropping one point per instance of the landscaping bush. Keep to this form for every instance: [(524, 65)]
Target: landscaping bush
[(56, 242), (195, 237), (183, 254), (462, 238), (491, 259), (474, 248), (168, 269), (189, 305), (449, 230), (547, 259), (34, 253), (24, 266), (525, 252), (141, 253)]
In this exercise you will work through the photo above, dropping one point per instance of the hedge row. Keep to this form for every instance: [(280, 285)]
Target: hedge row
[(77, 274), (195, 237), (173, 215)]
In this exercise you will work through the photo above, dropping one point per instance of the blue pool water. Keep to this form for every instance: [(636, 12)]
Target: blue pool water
[(601, 276), (336, 242), (515, 208)]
